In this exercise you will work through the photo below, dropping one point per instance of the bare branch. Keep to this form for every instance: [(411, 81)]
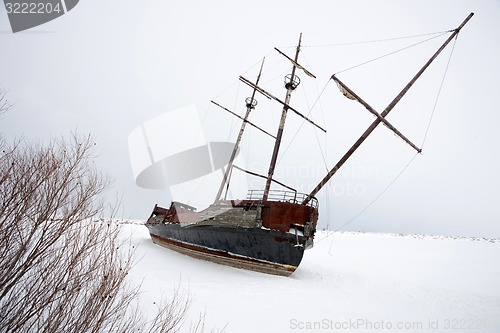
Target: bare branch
[(64, 267)]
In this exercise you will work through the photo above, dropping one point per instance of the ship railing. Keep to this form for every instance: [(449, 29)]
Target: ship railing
[(283, 196)]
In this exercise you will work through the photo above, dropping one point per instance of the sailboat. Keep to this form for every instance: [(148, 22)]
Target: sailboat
[(268, 231)]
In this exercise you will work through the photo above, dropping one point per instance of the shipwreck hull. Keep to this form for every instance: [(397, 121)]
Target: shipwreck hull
[(257, 249)]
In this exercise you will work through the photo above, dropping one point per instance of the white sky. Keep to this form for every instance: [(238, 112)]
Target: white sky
[(108, 66)]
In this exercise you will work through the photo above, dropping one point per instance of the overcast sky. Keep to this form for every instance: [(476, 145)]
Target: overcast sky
[(107, 67)]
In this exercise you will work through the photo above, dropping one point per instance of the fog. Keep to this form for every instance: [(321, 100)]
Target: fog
[(108, 67)]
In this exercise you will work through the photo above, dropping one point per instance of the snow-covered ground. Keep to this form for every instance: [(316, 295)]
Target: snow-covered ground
[(349, 282)]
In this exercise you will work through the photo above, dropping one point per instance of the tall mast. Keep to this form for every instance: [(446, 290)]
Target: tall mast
[(251, 102), (383, 114), (290, 84)]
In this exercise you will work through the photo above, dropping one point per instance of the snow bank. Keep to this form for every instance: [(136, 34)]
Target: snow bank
[(348, 282)]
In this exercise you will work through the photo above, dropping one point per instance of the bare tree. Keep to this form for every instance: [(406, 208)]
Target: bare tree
[(4, 103), (62, 267)]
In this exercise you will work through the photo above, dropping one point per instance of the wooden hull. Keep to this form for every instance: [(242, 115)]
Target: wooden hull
[(257, 249)]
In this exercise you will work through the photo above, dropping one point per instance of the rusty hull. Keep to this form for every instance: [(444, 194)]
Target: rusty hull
[(265, 237)]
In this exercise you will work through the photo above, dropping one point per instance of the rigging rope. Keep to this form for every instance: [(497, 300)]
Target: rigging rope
[(232, 127), (435, 35), (375, 199), (370, 204), (379, 40), (411, 160), (318, 100), (234, 123), (302, 124), (391, 53), (439, 92)]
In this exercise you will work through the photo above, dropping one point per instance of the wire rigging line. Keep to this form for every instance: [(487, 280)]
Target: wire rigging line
[(435, 35), (412, 159), (367, 41), (302, 124), (439, 93), (323, 156), (391, 53), (237, 81), (280, 75), (318, 100), (379, 40), (233, 123), (376, 198), (232, 126)]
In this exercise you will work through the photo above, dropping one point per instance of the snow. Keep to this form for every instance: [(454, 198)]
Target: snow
[(348, 282)]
